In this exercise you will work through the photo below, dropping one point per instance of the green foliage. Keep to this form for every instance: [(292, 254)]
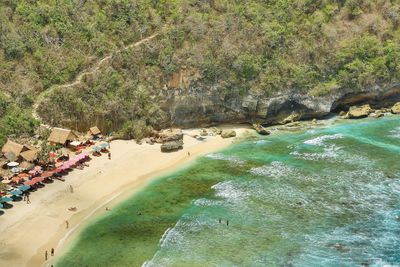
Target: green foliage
[(137, 129)]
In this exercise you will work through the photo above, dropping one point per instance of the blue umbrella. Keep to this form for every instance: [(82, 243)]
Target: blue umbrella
[(24, 187), (16, 192), (96, 149), (5, 199), (104, 145), (1, 206)]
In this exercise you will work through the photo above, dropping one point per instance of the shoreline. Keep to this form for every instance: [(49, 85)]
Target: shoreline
[(29, 230)]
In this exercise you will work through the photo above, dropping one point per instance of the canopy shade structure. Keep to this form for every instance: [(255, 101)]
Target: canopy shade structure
[(38, 179), (96, 149), (61, 136), (15, 170), (17, 179), (5, 199), (27, 165), (11, 156), (30, 155), (104, 145), (30, 182), (75, 143), (12, 164), (24, 187), (45, 175), (94, 130), (16, 192)]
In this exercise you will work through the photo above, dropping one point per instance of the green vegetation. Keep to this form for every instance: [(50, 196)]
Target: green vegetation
[(310, 47)]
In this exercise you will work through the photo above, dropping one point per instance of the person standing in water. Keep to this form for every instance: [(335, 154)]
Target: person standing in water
[(227, 222)]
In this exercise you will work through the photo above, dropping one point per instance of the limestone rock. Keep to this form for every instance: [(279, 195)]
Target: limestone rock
[(170, 135), (203, 132), (376, 115), (260, 129), (215, 130), (172, 146), (396, 108), (291, 118), (356, 112), (228, 133)]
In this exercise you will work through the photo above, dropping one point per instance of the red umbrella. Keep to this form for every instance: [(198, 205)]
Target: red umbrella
[(46, 175), (30, 182), (38, 179), (57, 170)]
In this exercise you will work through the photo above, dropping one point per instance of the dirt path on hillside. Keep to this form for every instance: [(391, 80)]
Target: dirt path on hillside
[(79, 77)]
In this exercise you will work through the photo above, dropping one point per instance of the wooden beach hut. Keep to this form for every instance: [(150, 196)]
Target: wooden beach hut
[(94, 132), (12, 150), (30, 155), (62, 136)]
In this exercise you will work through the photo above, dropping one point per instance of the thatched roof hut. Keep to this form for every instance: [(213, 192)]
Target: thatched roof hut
[(30, 155), (61, 136), (94, 130), (13, 147)]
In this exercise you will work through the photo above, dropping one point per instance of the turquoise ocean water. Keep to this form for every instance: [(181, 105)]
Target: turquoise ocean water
[(323, 196)]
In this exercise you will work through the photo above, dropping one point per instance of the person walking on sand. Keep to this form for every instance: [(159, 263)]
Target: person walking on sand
[(52, 252), (66, 224), (109, 155), (45, 256), (71, 189), (188, 153), (28, 201)]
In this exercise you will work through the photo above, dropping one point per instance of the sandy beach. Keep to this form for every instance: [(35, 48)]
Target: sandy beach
[(28, 230)]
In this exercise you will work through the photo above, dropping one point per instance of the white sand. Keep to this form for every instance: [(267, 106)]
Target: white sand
[(28, 230)]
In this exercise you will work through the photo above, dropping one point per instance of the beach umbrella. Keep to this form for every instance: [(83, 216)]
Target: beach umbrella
[(45, 175), (104, 145), (16, 192), (17, 179), (1, 206), (12, 164), (96, 149), (30, 182), (23, 187), (15, 170), (38, 179), (5, 199)]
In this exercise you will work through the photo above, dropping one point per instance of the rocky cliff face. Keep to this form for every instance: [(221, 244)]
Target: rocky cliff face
[(191, 103)]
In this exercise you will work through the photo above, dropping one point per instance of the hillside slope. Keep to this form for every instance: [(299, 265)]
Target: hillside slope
[(213, 61)]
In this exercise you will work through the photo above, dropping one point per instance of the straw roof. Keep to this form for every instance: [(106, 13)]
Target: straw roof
[(94, 130), (30, 155), (26, 165), (61, 136), (13, 147)]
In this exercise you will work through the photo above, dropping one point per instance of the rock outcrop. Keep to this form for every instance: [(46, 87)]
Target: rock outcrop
[(171, 139), (396, 108), (228, 133), (172, 146), (260, 129), (357, 112)]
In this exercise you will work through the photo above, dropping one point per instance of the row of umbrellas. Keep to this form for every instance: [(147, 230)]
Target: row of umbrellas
[(16, 192)]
